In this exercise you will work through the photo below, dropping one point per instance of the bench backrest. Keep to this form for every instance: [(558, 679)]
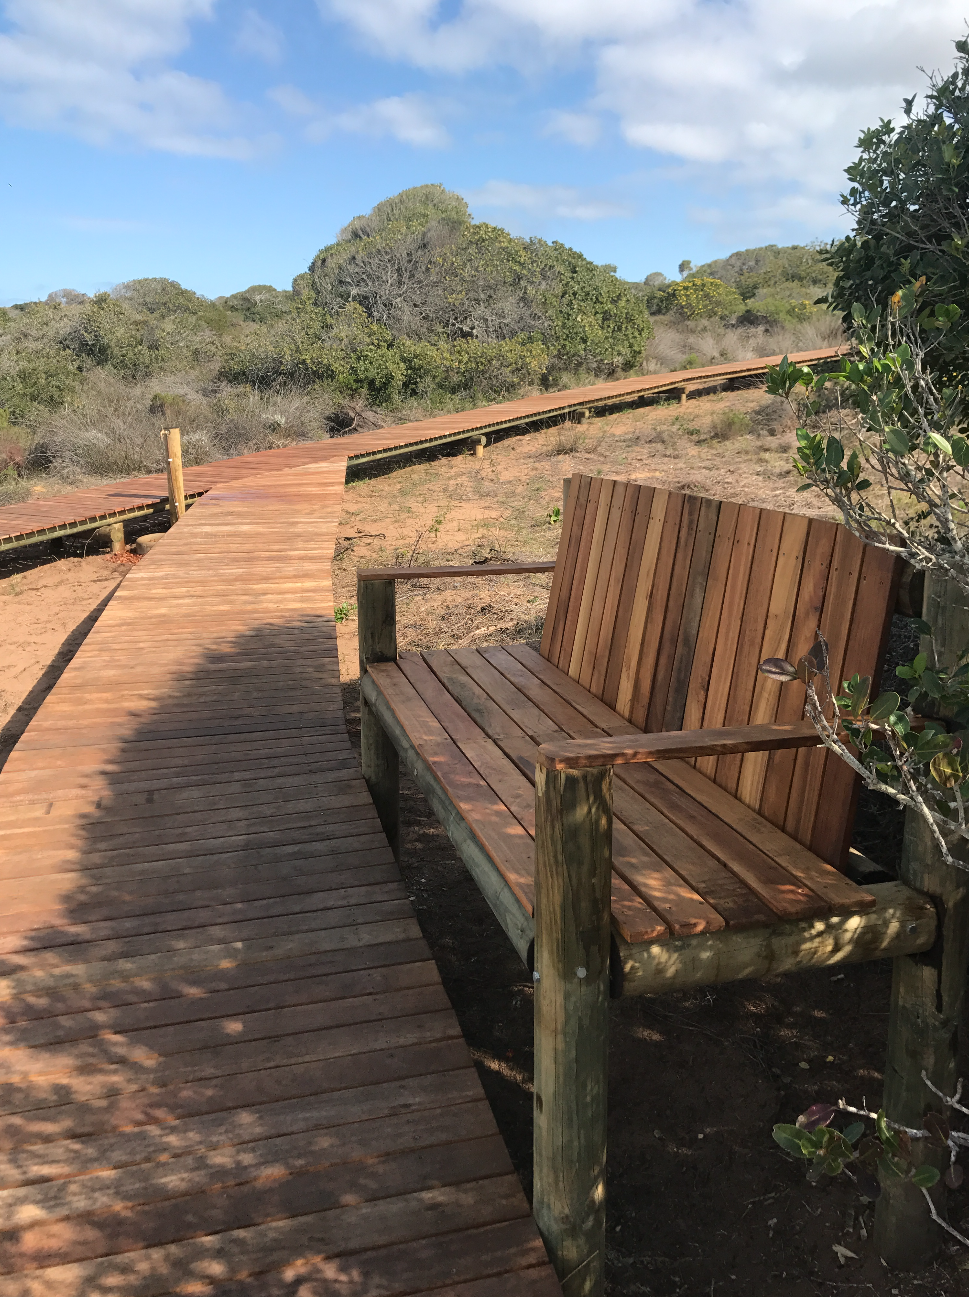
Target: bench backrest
[(664, 604)]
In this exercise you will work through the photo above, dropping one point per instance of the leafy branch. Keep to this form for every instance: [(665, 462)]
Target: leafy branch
[(889, 1152), (883, 440)]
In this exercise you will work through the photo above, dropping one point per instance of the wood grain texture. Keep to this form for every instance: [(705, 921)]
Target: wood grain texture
[(218, 1019)]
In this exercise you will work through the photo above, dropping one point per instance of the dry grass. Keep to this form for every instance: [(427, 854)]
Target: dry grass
[(461, 510), (113, 430), (682, 344)]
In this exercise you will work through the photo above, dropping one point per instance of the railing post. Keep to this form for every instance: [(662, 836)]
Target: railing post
[(172, 438), (377, 639), (573, 867), (928, 990)]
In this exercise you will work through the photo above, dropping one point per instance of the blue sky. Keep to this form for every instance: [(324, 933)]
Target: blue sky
[(222, 143)]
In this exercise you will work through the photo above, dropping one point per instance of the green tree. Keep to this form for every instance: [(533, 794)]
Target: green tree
[(909, 199), (702, 298)]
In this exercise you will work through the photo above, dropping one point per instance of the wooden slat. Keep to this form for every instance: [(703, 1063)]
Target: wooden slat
[(643, 664), (593, 573), (839, 603), (864, 653), (775, 643), (671, 635), (613, 592), (750, 642), (730, 625), (717, 822), (615, 650), (699, 687), (604, 581), (577, 588), (790, 707)]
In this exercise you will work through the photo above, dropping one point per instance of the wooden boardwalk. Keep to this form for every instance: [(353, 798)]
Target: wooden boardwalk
[(228, 1064), (57, 515)]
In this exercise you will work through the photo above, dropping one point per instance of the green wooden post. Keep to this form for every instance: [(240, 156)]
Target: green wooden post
[(573, 866), (377, 639), (928, 990)]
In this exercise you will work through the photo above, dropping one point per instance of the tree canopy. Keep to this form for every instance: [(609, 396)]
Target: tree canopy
[(909, 199)]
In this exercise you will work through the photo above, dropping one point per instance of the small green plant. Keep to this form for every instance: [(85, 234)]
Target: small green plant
[(554, 516), (891, 1152), (344, 611), (729, 424)]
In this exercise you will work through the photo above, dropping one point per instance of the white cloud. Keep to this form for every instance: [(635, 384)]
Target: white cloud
[(743, 92), (577, 128), (98, 70), (546, 200), (260, 38), (411, 119), (293, 101)]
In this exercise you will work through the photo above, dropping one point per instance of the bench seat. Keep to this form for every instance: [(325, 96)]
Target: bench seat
[(688, 858)]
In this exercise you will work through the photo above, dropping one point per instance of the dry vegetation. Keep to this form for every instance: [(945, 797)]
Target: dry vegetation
[(459, 509)]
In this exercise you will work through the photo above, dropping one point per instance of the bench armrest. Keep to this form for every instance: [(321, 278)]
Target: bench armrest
[(479, 569), (578, 754)]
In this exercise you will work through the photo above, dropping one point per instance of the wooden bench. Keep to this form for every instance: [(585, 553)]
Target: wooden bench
[(640, 807)]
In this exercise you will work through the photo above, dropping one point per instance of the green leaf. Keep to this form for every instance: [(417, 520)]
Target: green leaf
[(788, 1142), (960, 450), (883, 706), (925, 1177), (854, 1132), (863, 484), (897, 441), (921, 626), (920, 662), (941, 442), (834, 453), (808, 486)]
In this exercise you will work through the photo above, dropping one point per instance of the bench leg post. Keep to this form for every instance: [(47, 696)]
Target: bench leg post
[(573, 868), (924, 1026), (377, 632), (928, 994)]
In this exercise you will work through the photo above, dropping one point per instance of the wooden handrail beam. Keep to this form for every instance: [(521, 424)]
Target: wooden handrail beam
[(479, 569), (580, 754)]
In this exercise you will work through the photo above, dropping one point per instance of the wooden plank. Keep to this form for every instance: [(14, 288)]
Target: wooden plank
[(671, 636), (864, 653), (696, 698), (730, 623), (584, 658), (807, 615), (613, 594), (689, 629), (644, 872), (568, 546), (590, 522), (775, 643), (748, 655), (712, 819), (641, 601), (839, 602), (627, 594)]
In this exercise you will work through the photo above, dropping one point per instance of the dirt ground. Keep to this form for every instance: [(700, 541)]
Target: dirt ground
[(701, 1201)]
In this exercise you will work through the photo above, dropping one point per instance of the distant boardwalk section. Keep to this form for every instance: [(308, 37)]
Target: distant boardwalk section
[(60, 515), (228, 1063)]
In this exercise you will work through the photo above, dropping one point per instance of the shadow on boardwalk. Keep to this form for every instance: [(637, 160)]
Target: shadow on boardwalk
[(227, 1056)]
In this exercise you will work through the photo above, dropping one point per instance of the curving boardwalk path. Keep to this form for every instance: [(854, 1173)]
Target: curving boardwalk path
[(227, 1063), (60, 515)]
